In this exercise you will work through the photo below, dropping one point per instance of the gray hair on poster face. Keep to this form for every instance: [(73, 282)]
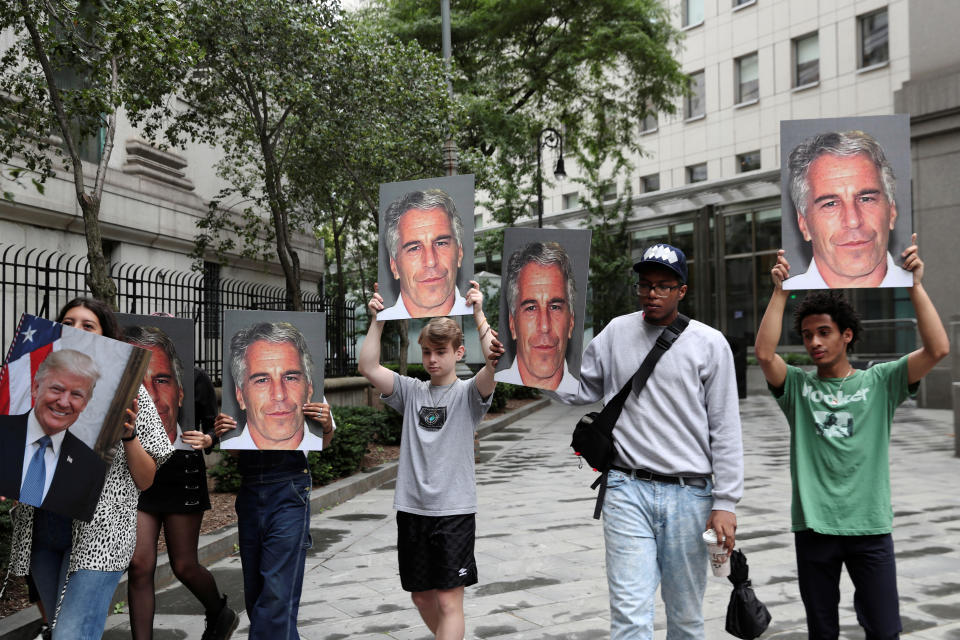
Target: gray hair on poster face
[(147, 337), (420, 201), (273, 332), (844, 144), (545, 254)]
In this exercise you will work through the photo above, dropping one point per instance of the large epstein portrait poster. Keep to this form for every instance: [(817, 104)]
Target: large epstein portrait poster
[(426, 247), (543, 294), (845, 199), (272, 366), (64, 393), (169, 376)]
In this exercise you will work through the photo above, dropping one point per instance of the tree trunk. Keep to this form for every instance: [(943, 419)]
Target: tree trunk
[(99, 282), (404, 345)]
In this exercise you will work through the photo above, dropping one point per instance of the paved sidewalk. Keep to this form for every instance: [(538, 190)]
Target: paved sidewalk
[(540, 553)]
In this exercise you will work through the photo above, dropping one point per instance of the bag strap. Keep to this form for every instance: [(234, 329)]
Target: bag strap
[(611, 412)]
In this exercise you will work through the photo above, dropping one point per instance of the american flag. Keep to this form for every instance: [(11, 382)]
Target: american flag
[(35, 339)]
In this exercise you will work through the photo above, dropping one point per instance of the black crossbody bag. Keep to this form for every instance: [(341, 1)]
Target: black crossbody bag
[(593, 435)]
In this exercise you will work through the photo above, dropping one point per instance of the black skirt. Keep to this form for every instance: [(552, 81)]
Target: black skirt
[(180, 485)]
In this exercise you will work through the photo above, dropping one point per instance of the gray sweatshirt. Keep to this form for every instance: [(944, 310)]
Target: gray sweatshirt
[(686, 421)]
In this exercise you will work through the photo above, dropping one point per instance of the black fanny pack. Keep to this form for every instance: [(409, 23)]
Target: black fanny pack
[(593, 436)]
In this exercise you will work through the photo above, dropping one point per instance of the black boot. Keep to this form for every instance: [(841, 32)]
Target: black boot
[(222, 624)]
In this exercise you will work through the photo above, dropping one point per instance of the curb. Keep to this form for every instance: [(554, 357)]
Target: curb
[(25, 624)]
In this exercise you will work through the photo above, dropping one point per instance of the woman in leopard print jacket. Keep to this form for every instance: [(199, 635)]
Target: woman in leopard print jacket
[(78, 565)]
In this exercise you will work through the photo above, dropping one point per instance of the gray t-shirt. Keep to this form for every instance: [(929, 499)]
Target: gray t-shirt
[(435, 473)]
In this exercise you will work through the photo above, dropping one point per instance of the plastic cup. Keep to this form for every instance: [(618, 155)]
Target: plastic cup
[(719, 560)]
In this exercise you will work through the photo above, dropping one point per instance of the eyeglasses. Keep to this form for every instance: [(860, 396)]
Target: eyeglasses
[(659, 290)]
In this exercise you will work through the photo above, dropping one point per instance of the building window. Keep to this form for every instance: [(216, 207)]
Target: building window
[(610, 193), (874, 39), (650, 182), (477, 220), (806, 60), (695, 106), (748, 161), (697, 173), (649, 123), (571, 200), (748, 79), (692, 12)]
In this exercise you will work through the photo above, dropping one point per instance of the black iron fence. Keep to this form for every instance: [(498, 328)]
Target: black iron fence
[(39, 282)]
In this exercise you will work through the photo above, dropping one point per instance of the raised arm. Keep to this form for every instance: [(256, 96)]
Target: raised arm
[(368, 362), (768, 334), (934, 344), (492, 349)]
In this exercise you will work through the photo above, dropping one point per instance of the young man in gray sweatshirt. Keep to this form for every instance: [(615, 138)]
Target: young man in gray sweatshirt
[(679, 462)]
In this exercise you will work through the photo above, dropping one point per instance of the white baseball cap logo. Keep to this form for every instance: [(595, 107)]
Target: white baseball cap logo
[(661, 252)]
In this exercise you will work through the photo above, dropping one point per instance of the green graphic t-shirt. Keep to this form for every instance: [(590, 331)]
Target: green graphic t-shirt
[(839, 444)]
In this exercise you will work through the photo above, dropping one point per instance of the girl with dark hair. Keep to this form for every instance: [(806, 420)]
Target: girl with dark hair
[(76, 565), (91, 315), (175, 502)]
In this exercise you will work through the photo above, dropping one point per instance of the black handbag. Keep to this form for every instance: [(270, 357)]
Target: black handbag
[(593, 435)]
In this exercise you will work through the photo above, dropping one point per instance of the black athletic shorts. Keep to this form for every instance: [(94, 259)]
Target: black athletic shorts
[(436, 552)]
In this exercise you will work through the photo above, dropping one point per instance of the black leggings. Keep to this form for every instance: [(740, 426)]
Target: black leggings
[(181, 532)]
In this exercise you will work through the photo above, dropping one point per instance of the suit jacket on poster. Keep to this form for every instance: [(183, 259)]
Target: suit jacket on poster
[(77, 480)]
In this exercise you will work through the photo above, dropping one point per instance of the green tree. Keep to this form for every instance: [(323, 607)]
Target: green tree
[(383, 120), (265, 64), (71, 67), (588, 67), (610, 260)]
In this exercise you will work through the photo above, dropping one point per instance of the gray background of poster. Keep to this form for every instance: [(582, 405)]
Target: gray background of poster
[(460, 188), (313, 326), (577, 244), (893, 134), (180, 331)]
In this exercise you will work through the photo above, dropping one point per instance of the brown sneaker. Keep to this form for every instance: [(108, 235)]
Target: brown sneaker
[(221, 625)]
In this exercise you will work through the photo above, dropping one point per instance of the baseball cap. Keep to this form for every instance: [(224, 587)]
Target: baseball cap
[(666, 255)]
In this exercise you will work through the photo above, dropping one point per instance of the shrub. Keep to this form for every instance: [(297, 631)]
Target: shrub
[(413, 370), (345, 453), (226, 474), (385, 425)]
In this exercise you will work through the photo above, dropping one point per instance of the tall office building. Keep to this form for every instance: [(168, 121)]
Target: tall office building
[(710, 182)]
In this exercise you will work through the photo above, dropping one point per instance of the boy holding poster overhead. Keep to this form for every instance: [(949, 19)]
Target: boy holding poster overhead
[(436, 495), (840, 422)]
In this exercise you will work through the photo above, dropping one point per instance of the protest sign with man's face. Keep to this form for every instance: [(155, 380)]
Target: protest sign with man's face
[(273, 365), (843, 221), (169, 377), (61, 420), (543, 302), (426, 247)]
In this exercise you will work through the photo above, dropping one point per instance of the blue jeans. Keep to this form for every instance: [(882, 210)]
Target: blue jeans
[(50, 556), (85, 605), (273, 521), (652, 534)]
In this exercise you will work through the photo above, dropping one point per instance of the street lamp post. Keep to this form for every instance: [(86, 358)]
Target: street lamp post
[(553, 140)]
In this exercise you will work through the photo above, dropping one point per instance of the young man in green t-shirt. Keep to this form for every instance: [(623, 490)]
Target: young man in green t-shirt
[(840, 420)]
